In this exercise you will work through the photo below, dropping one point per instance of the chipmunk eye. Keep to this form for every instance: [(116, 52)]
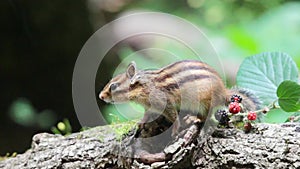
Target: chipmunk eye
[(113, 86)]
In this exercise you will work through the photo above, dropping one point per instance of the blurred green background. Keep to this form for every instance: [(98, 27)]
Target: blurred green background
[(40, 41)]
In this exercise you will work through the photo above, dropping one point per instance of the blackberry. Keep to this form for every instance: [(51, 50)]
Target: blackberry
[(247, 127), (234, 107), (251, 115), (236, 98), (222, 117)]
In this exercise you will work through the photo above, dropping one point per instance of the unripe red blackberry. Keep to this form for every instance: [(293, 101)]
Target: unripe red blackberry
[(251, 115), (234, 107)]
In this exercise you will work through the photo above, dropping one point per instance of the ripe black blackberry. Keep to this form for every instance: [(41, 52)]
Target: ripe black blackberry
[(236, 98), (222, 117)]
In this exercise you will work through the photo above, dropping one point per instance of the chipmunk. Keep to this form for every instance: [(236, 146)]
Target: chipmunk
[(187, 85)]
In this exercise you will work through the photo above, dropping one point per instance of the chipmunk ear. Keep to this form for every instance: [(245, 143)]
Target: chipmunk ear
[(131, 70)]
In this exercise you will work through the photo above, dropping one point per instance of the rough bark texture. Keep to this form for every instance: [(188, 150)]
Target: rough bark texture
[(266, 146)]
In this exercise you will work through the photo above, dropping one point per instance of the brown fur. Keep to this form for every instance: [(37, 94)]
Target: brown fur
[(182, 86)]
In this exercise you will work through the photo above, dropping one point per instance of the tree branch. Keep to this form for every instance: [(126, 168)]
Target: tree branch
[(267, 146)]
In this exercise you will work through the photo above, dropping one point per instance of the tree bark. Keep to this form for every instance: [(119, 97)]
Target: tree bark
[(266, 146)]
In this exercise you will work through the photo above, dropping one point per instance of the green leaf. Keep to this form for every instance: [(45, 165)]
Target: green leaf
[(264, 72), (276, 116), (288, 94)]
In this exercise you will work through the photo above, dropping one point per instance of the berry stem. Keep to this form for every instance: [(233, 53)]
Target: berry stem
[(274, 106), (297, 118), (270, 106)]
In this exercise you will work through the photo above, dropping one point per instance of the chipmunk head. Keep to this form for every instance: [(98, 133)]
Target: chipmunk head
[(123, 87)]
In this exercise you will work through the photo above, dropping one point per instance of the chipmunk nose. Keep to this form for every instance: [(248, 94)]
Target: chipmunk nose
[(101, 96)]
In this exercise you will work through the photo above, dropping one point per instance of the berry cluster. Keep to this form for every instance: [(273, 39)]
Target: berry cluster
[(234, 107)]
